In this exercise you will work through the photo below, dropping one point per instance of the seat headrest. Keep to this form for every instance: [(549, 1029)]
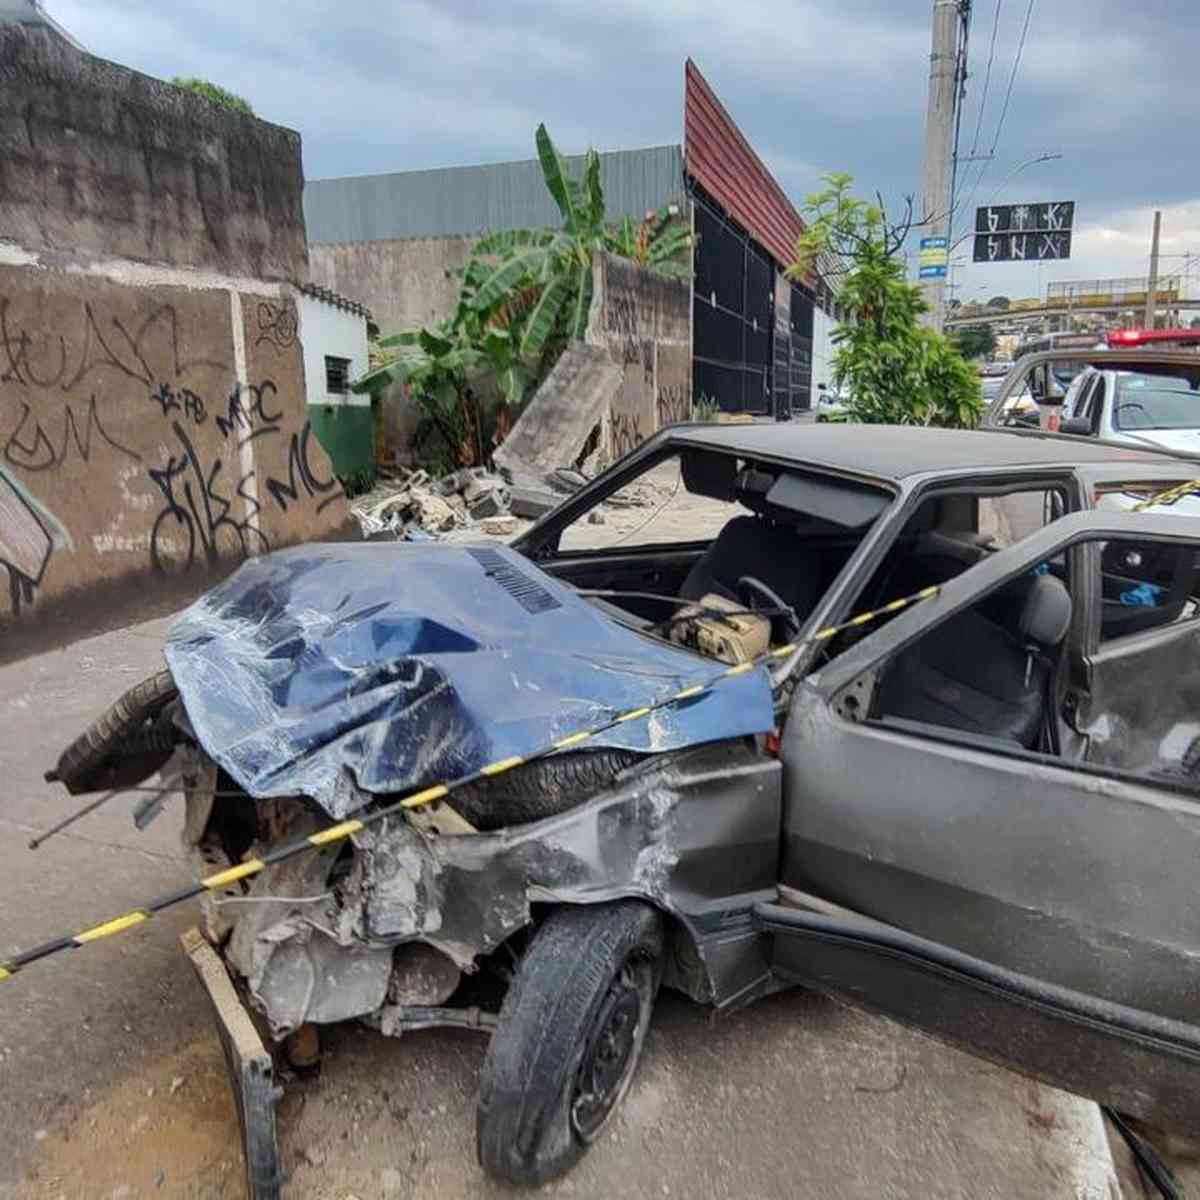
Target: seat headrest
[(751, 488), (1046, 613)]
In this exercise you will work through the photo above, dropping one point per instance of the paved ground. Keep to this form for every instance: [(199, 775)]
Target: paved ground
[(114, 1087), (113, 1084)]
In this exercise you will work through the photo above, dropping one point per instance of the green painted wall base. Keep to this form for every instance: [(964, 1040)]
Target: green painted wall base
[(348, 434)]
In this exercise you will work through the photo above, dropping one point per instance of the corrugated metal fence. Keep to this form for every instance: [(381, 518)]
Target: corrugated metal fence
[(469, 200)]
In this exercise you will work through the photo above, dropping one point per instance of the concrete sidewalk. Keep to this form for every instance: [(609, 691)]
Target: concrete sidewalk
[(114, 1085)]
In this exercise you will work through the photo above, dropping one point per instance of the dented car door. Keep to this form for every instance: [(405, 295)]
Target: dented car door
[(1039, 907)]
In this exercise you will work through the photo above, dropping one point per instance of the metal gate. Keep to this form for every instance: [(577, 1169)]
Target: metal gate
[(732, 314)]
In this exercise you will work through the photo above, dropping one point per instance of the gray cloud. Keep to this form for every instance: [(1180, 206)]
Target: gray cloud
[(817, 85)]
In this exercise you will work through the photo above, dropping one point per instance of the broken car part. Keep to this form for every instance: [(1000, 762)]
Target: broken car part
[(987, 827), (347, 793)]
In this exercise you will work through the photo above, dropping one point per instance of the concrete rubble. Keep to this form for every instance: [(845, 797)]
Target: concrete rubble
[(414, 506)]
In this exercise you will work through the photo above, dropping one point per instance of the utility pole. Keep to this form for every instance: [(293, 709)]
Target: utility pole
[(1152, 282), (939, 139)]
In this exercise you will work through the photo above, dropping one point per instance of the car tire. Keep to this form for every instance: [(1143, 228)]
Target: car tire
[(568, 1040), (82, 766), (540, 789)]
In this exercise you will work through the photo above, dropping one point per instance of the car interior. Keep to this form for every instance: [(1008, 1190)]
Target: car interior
[(789, 532), (991, 673)]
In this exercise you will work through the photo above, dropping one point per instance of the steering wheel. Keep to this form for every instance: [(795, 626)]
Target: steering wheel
[(785, 625)]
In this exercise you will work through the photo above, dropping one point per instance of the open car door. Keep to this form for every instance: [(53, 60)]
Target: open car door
[(1013, 889)]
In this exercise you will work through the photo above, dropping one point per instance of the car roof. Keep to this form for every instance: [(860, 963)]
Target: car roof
[(895, 452)]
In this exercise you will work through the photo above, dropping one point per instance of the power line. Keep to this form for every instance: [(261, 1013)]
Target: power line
[(987, 77), (1012, 78), (1013, 75)]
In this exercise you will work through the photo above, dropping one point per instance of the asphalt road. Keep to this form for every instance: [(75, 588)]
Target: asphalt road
[(112, 1083)]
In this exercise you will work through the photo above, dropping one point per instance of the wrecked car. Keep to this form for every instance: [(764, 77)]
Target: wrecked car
[(974, 811)]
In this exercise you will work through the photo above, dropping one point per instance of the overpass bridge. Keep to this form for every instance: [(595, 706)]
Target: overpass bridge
[(1000, 317)]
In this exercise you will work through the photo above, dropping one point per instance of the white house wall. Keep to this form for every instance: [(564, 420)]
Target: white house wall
[(326, 329), (824, 327)]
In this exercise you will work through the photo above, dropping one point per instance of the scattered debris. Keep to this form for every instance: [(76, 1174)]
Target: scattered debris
[(500, 526), (411, 505), (595, 517), (176, 1084)]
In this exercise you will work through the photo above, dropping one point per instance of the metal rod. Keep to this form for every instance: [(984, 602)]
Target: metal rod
[(34, 843)]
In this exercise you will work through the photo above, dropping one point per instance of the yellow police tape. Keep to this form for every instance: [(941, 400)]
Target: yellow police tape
[(1169, 496), (430, 795)]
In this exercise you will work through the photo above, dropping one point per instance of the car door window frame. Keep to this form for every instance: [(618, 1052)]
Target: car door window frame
[(1070, 535), (844, 598)]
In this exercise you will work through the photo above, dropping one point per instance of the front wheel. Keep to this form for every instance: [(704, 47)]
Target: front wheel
[(568, 1040)]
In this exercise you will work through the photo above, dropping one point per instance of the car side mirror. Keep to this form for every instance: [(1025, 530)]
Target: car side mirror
[(1080, 426)]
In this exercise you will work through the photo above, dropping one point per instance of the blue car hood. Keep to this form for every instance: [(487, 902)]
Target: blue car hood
[(399, 666)]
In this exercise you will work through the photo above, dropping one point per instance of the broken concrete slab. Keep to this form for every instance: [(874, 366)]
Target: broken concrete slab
[(573, 399), (490, 504), (434, 513), (500, 526), (480, 485), (534, 502)]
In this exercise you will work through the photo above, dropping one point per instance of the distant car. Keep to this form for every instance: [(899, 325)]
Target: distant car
[(1149, 404), (940, 780), (831, 404)]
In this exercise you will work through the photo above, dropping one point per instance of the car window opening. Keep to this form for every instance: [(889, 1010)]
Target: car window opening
[(996, 674), (745, 548)]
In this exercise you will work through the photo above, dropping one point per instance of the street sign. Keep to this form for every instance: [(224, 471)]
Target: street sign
[(1024, 232), (935, 254)]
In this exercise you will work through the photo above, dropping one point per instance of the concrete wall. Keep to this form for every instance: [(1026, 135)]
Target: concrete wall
[(645, 321), (98, 159), (404, 282), (153, 423)]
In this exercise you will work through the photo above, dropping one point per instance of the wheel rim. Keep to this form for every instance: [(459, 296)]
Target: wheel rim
[(612, 1050)]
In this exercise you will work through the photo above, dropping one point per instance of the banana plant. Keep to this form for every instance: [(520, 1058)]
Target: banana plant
[(523, 294), (656, 242)]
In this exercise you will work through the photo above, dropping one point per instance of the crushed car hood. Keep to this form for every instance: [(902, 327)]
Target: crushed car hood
[(398, 666)]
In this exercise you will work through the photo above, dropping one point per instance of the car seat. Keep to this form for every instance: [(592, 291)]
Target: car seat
[(759, 546), (982, 676)]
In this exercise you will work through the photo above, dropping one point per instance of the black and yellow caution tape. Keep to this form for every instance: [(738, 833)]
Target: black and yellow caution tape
[(430, 795), (1169, 496)]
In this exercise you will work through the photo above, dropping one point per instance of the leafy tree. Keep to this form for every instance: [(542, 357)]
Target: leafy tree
[(974, 341), (1000, 302), (214, 92), (524, 293), (894, 370)]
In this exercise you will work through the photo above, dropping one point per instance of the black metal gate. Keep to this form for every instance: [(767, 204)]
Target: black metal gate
[(800, 375), (732, 314)]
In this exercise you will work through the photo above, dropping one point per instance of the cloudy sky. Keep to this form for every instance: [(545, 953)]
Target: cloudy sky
[(817, 85)]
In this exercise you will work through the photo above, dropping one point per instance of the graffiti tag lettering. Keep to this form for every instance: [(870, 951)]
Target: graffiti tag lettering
[(277, 325), (302, 477), (198, 514), (33, 450), (626, 432), (247, 412), (184, 401)]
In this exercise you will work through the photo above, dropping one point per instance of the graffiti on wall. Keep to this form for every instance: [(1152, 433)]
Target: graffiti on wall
[(146, 447), (211, 505), (277, 325), (673, 404)]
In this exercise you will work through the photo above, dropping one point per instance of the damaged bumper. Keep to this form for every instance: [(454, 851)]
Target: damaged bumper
[(394, 921)]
